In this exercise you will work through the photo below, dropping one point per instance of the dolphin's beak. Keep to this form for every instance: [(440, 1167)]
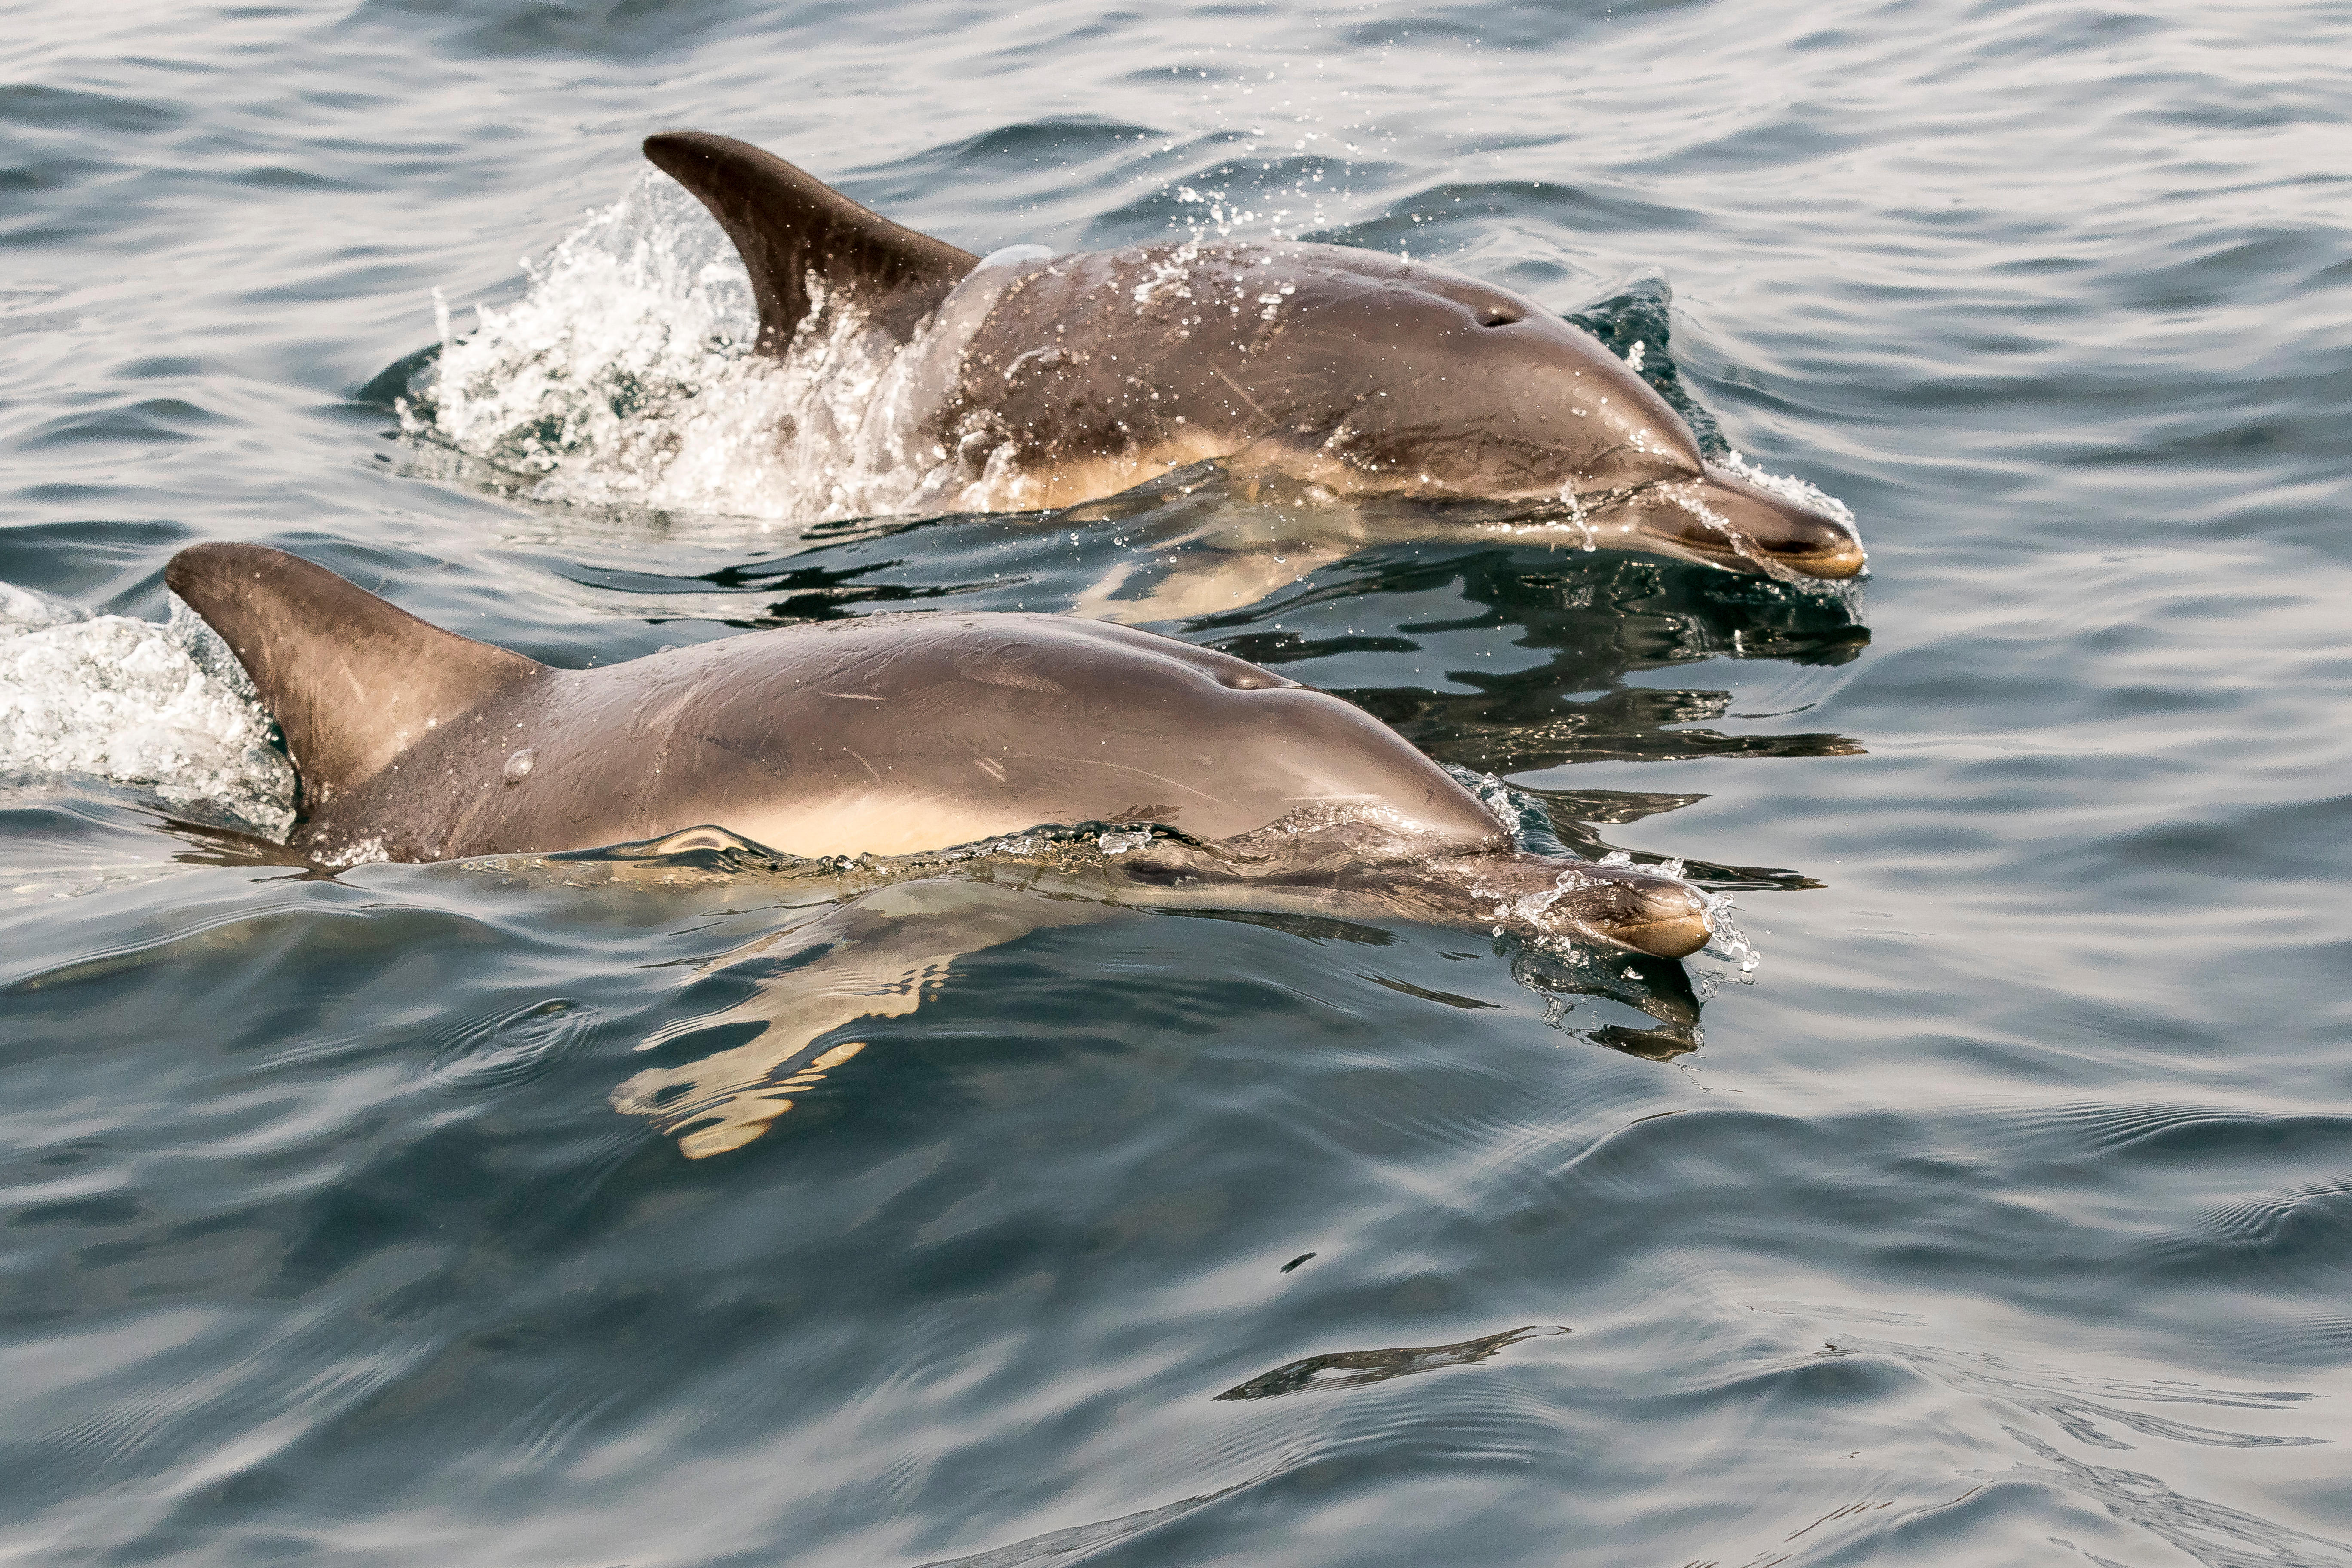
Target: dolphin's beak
[(1796, 536), (1648, 913), (1724, 519)]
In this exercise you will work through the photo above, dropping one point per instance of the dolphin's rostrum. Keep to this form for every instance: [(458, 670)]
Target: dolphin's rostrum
[(1028, 380)]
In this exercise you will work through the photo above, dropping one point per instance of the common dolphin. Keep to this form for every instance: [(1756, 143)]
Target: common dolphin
[(1029, 380), (1215, 784), (881, 735)]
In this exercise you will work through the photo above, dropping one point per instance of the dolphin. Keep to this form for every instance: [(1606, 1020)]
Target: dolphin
[(1207, 783), (1026, 380), (885, 735)]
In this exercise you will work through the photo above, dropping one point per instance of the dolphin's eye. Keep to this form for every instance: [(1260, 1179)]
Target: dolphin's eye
[(1498, 316)]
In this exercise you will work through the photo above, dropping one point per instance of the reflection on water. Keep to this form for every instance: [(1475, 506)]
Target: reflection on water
[(1349, 1368), (1586, 624), (875, 957), (2209, 1531), (850, 943), (1077, 1539), (1656, 986)]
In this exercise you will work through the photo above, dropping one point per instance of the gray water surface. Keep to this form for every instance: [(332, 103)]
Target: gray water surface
[(2005, 1216)]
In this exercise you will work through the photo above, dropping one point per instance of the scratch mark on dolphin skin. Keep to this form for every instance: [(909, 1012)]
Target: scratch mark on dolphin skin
[(350, 676), (1121, 767), (1236, 385), (852, 696), (863, 764)]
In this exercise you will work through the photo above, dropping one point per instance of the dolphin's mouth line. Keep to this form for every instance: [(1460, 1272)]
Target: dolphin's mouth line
[(1579, 508)]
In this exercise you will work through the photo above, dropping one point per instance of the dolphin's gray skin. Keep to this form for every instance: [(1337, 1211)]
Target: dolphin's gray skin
[(1049, 380), (883, 735)]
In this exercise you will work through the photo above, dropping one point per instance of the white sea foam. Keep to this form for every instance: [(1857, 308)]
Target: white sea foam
[(165, 708), (29, 610), (625, 375)]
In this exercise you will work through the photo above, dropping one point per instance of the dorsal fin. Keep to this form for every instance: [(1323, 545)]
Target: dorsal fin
[(786, 224), (352, 680)]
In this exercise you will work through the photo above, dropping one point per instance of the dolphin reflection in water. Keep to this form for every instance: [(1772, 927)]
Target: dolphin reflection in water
[(1210, 781)]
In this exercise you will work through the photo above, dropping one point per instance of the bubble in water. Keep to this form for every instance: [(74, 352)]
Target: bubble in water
[(518, 766)]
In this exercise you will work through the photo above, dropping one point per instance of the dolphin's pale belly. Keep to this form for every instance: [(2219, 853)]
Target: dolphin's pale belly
[(874, 823)]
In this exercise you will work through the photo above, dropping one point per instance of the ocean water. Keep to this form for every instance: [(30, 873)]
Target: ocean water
[(2003, 1213)]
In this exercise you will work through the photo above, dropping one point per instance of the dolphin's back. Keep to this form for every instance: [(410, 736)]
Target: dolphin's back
[(352, 681)]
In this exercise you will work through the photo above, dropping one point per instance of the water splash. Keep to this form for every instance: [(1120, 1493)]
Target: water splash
[(165, 708), (1788, 487), (1727, 943), (627, 375)]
